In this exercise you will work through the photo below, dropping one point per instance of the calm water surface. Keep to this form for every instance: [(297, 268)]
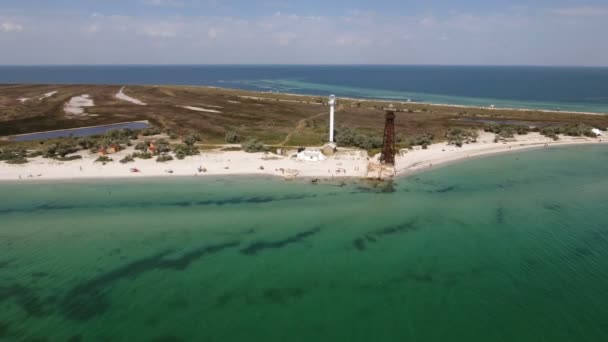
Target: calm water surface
[(510, 248), (551, 88)]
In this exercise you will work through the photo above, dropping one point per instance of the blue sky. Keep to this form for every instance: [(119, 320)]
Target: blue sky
[(541, 32)]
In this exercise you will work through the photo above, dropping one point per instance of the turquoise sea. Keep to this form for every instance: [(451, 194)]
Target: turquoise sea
[(550, 88), (507, 248)]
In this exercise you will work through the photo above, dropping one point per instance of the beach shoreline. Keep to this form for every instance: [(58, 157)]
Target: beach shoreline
[(347, 164)]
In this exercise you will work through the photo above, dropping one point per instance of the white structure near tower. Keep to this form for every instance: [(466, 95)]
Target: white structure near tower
[(332, 110)]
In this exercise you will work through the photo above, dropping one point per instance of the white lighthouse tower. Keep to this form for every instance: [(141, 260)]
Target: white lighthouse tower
[(332, 110)]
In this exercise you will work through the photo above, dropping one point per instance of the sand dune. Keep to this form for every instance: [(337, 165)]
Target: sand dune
[(77, 104)]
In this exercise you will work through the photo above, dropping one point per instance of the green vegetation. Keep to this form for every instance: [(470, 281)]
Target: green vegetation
[(183, 151), (68, 158), (127, 159), (507, 131), (104, 159), (142, 155), (423, 140), (164, 157), (13, 155), (61, 150), (460, 136), (252, 145), (151, 131), (232, 137), (142, 146), (349, 137), (192, 139), (574, 130)]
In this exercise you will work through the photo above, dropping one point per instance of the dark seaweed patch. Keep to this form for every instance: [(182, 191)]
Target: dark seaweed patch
[(87, 299), (282, 296), (178, 303), (3, 330), (445, 190), (401, 228), (144, 205), (167, 339), (24, 297), (500, 215), (39, 274), (552, 206), (359, 244), (224, 299), (256, 247), (5, 264), (373, 236), (75, 338)]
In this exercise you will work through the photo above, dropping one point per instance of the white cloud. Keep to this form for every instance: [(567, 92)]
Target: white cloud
[(366, 37), (582, 11), (9, 26)]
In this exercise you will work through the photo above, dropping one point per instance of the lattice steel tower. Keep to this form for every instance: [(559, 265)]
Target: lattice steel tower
[(388, 147)]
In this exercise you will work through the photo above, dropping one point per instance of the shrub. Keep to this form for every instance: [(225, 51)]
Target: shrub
[(61, 150), (164, 158), (104, 159), (350, 137), (253, 145), (151, 131), (17, 160), (423, 140), (460, 136), (142, 155), (127, 159), (142, 146), (232, 137), (182, 151), (70, 158), (192, 139)]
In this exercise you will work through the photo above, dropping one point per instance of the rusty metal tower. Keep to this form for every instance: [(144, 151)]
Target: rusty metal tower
[(388, 147)]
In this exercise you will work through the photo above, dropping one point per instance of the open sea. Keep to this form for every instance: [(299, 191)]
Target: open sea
[(506, 248), (549, 88)]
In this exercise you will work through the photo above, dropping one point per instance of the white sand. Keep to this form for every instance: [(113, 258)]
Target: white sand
[(23, 99), (47, 95), (77, 104), (441, 154), (122, 96), (346, 163), (199, 109), (216, 163)]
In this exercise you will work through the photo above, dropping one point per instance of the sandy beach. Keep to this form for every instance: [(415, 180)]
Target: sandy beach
[(346, 163)]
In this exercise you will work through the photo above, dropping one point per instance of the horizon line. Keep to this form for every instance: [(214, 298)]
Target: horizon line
[(302, 65)]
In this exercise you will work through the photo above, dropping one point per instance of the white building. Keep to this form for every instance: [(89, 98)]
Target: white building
[(597, 132), (311, 156)]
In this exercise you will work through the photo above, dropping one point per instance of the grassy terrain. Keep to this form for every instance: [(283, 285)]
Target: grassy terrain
[(277, 119)]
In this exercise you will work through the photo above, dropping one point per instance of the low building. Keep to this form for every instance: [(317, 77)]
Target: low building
[(311, 156), (597, 132)]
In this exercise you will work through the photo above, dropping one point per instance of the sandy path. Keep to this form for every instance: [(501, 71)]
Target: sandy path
[(122, 96), (199, 109)]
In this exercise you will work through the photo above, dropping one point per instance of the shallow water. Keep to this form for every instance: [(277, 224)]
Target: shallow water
[(509, 248)]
